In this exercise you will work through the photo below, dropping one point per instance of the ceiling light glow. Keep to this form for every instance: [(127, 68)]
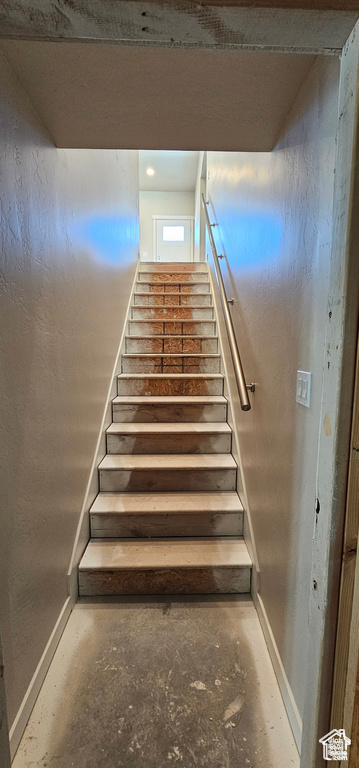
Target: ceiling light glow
[(150, 172)]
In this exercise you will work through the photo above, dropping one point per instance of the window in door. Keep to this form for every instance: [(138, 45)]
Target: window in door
[(173, 238)]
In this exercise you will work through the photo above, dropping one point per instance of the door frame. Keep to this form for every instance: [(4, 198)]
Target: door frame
[(156, 217), (329, 508), (345, 698)]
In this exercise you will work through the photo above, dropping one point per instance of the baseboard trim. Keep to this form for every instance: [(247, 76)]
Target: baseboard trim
[(285, 689), (22, 717)]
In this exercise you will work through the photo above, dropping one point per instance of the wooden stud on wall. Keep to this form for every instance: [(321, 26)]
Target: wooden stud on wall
[(354, 749), (348, 569), (4, 733), (337, 395), (317, 26)]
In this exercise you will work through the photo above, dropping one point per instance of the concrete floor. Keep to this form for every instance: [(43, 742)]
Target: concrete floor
[(154, 682)]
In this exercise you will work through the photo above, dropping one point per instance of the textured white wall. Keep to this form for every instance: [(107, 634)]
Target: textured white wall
[(70, 238), (275, 222), (165, 203)]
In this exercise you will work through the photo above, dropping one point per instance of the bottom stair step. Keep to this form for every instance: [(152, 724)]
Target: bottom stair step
[(165, 566)]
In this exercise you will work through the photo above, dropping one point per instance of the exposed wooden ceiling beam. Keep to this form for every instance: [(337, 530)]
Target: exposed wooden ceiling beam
[(288, 25)]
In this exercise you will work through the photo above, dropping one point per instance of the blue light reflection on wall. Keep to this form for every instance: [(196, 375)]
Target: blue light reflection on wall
[(110, 238), (251, 238)]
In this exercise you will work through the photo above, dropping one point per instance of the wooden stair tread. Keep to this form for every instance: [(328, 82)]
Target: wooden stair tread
[(175, 272), (170, 375), (177, 280), (171, 319), (167, 337), (167, 307), (159, 266), (172, 293), (165, 428), (181, 461), (166, 553), (214, 355), (182, 267), (180, 283), (165, 400), (180, 278), (167, 503), (156, 277)]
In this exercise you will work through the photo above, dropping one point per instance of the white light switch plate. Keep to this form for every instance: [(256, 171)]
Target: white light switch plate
[(304, 386)]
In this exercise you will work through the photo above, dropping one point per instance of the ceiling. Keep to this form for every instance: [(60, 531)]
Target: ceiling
[(174, 171), (109, 96)]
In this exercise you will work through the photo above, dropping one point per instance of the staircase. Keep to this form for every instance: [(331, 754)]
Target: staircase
[(168, 518)]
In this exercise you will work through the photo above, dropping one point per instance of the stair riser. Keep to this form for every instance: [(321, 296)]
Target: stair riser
[(182, 581), (143, 526), (166, 266), (161, 328), (167, 300), (118, 480), (169, 387), (171, 365), (168, 278), (171, 313), (171, 346), (148, 414), (182, 288), (165, 444)]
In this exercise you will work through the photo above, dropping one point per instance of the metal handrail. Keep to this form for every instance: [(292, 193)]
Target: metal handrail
[(243, 388)]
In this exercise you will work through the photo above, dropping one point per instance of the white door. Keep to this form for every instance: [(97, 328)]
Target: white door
[(173, 239)]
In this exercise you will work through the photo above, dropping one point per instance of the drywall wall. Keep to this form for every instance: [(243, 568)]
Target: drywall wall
[(275, 226), (70, 239), (160, 203)]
